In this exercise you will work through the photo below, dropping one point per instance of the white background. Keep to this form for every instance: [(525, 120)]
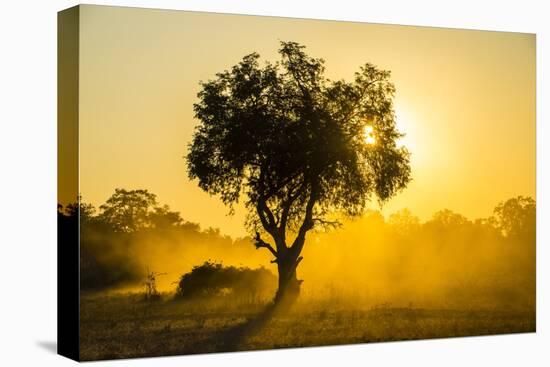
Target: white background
[(28, 183)]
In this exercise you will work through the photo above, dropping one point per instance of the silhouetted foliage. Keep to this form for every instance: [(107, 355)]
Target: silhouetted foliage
[(214, 279), (516, 216), (491, 260), (108, 239), (163, 217), (294, 143), (84, 210), (110, 252), (404, 222), (133, 210)]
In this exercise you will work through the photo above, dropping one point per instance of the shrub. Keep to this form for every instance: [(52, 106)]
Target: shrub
[(215, 280)]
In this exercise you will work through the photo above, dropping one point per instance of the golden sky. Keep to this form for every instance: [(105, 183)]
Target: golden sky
[(465, 99)]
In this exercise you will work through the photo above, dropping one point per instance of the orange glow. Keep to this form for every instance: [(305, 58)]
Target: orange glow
[(465, 100)]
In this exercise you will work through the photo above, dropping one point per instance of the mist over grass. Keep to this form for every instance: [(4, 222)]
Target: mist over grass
[(449, 261), (446, 262)]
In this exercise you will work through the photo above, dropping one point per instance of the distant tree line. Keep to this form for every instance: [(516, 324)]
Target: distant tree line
[(109, 237), (488, 262)]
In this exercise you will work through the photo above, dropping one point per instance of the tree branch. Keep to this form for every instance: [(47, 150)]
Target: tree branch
[(358, 101), (297, 78), (264, 212), (261, 243), (274, 190), (307, 224), (327, 223), (266, 216), (287, 205), (298, 260)]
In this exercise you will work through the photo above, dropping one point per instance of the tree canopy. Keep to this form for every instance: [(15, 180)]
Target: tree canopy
[(299, 147), (516, 216), (295, 142), (132, 210)]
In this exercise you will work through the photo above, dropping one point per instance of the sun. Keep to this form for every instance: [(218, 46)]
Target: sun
[(370, 139)]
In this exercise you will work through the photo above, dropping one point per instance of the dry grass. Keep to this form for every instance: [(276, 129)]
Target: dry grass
[(126, 326)]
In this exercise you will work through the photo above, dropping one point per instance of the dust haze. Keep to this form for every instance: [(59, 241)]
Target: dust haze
[(448, 261)]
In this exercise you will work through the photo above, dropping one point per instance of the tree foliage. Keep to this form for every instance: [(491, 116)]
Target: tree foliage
[(108, 238), (294, 142), (132, 210), (213, 279), (516, 216)]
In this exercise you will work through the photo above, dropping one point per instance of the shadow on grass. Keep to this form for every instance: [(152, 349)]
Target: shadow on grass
[(234, 337)]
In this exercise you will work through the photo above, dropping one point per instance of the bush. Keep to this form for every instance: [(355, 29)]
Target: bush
[(215, 280)]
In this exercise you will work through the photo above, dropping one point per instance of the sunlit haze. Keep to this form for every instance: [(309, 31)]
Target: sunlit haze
[(465, 100)]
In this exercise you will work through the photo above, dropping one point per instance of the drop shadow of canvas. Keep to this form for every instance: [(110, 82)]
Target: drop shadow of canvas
[(48, 345)]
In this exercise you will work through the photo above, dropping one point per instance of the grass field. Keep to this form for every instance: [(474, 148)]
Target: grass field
[(126, 326)]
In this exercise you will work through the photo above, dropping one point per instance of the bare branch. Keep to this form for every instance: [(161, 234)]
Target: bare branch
[(307, 224), (298, 260), (287, 205), (265, 214), (267, 222), (261, 243), (327, 223), (268, 212)]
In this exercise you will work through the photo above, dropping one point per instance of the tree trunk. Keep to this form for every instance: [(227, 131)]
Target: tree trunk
[(289, 285)]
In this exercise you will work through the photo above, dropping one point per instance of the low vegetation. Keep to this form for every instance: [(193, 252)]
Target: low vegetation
[(215, 280), (123, 327)]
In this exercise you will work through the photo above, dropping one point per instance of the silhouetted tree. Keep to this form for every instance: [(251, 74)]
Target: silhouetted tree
[(295, 144), (86, 211), (163, 217), (130, 211), (404, 222), (516, 216), (448, 218), (108, 239)]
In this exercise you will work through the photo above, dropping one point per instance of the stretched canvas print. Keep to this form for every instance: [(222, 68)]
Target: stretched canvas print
[(232, 183)]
